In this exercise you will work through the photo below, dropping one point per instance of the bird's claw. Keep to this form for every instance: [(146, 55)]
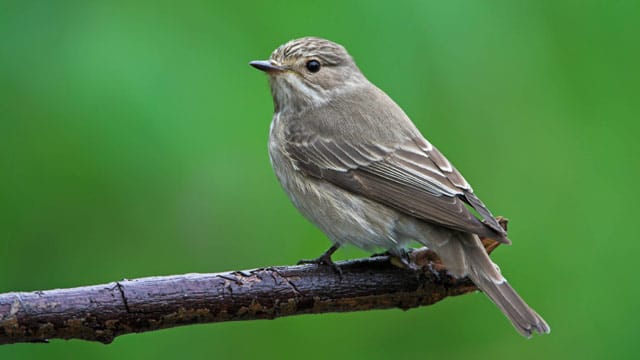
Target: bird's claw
[(324, 259)]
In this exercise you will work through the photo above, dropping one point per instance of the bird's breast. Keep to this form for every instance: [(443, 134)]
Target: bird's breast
[(281, 163)]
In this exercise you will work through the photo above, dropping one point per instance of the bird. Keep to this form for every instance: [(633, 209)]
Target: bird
[(355, 165)]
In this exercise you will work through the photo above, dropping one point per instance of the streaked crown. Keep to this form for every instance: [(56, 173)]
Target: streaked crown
[(325, 51)]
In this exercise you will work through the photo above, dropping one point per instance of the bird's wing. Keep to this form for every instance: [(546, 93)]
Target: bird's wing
[(412, 177)]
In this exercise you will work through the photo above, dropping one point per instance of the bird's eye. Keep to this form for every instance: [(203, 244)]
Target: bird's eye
[(313, 66)]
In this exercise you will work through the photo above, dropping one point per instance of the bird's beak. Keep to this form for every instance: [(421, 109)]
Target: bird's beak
[(266, 66)]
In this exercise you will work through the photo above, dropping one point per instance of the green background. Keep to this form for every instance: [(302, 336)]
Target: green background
[(133, 143)]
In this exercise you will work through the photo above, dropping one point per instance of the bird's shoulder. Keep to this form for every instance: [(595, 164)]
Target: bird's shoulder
[(363, 114)]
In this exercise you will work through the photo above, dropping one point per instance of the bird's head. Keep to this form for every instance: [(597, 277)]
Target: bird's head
[(309, 72)]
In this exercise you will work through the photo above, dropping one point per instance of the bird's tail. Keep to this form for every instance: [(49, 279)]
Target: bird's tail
[(484, 273), (522, 316), (464, 255)]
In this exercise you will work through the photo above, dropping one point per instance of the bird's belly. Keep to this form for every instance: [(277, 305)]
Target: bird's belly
[(346, 218)]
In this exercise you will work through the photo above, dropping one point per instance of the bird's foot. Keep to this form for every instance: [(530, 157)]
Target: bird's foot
[(402, 259), (325, 259), (429, 261)]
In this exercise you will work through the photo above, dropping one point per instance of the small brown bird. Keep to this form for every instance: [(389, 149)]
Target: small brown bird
[(355, 165)]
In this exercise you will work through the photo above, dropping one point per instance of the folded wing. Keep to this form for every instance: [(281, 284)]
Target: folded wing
[(413, 177)]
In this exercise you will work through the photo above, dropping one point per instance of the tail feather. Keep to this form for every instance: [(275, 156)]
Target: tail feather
[(464, 255), (484, 273), (522, 316)]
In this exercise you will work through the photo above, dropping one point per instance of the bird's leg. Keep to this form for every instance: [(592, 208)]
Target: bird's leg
[(325, 259)]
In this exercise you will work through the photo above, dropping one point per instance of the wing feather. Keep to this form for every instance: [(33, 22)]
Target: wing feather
[(414, 178)]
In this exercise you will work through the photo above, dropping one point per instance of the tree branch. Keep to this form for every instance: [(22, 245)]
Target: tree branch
[(102, 312)]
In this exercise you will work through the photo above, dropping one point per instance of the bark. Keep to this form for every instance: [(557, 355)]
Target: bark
[(103, 312)]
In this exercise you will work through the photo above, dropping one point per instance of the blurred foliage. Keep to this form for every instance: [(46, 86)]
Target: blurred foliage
[(133, 143)]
